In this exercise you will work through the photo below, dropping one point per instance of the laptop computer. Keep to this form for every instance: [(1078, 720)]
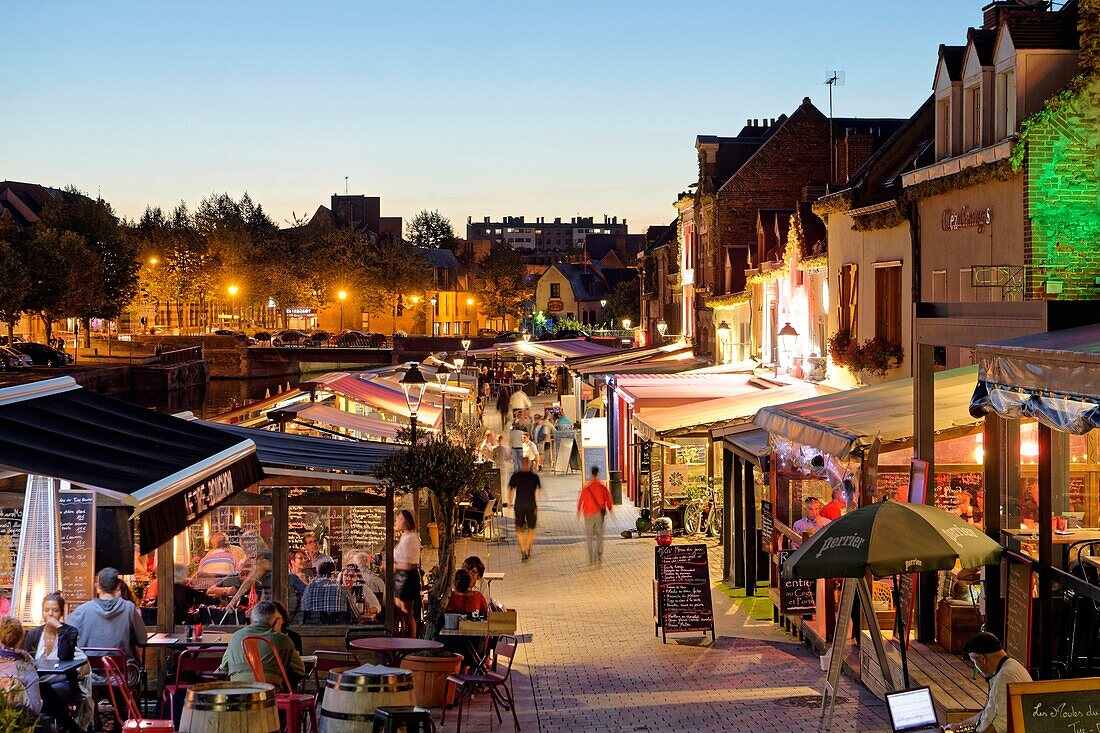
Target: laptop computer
[(912, 711)]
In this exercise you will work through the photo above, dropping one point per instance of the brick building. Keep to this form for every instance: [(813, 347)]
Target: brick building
[(659, 264), (770, 167)]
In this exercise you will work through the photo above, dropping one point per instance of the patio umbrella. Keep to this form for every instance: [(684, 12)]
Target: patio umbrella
[(892, 538)]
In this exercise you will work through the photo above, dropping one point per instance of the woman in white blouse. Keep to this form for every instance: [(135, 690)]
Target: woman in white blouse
[(406, 566)]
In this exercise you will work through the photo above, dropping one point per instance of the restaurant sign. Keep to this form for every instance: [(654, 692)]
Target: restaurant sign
[(966, 218), (208, 494), (555, 305)]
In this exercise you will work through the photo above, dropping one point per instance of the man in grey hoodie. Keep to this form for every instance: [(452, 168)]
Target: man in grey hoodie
[(108, 620)]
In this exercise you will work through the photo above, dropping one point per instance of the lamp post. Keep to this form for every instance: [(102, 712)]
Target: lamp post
[(443, 376), (434, 300), (787, 336), (626, 324), (233, 290), (341, 296), (662, 327), (526, 335), (723, 336), (603, 314)]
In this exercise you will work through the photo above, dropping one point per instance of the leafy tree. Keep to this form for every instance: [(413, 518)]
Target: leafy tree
[(500, 282), (431, 229), (448, 470), (95, 223), (63, 274), (624, 301), (15, 286)]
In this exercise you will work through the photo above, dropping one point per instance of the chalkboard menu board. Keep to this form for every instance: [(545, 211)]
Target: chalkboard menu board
[(1021, 583), (343, 528), (657, 481), (683, 589), (11, 520), (77, 519), (1054, 706), (797, 596), (767, 525), (594, 456)]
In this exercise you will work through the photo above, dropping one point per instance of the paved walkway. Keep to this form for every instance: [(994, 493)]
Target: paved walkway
[(590, 661)]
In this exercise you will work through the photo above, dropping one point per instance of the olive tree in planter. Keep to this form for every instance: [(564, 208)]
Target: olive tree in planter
[(446, 468)]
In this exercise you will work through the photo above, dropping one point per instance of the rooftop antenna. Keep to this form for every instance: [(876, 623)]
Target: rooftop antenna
[(346, 183), (833, 78)]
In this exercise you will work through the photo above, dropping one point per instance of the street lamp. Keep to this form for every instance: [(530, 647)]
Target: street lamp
[(434, 300), (466, 344), (787, 336), (603, 313), (443, 376), (153, 261), (526, 336), (413, 382), (662, 327), (723, 335), (626, 324), (341, 296), (233, 290)]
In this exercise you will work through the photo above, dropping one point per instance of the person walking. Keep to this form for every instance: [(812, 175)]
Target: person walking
[(523, 494), (594, 503)]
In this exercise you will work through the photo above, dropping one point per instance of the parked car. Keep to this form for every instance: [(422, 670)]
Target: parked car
[(565, 333), (349, 339), (17, 340), (43, 355), (226, 332), (508, 337), (319, 338), (13, 360), (291, 337)]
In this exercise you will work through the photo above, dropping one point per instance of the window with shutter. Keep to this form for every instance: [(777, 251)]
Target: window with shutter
[(888, 303)]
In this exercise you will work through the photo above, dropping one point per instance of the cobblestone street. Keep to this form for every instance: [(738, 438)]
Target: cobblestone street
[(590, 660)]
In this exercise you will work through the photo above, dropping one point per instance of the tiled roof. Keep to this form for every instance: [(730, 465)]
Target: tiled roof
[(1043, 30), (440, 258), (984, 41), (953, 58)]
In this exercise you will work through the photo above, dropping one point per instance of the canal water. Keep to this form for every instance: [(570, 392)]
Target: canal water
[(214, 398)]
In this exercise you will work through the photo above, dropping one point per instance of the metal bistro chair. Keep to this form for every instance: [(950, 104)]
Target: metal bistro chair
[(192, 665), (291, 704), (498, 685), (1072, 557), (116, 682), (479, 522)]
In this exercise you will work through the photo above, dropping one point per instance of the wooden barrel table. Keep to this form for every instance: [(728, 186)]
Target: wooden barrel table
[(351, 695), (230, 707)]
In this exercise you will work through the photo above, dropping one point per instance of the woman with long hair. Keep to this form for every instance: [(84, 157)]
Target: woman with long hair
[(406, 566)]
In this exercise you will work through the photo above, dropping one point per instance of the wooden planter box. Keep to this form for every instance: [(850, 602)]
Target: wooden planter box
[(956, 622)]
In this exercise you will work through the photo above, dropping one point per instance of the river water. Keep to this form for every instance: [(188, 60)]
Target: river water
[(214, 398)]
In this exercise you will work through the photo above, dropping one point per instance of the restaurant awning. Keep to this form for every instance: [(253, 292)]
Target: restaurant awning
[(1051, 377), (722, 411), (380, 396), (751, 445), (171, 471), (551, 352), (642, 354), (332, 417), (279, 452), (676, 388), (849, 422)]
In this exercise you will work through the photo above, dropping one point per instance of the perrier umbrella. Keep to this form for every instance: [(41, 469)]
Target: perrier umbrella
[(892, 538)]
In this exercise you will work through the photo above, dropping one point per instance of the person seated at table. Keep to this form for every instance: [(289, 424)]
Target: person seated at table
[(327, 601), (55, 640), (812, 520), (464, 598), (1000, 670), (365, 601), (219, 561), (282, 625), (301, 575), (184, 597), (109, 621), (964, 507), (835, 508), (312, 547), (17, 668), (263, 619), (251, 584), (476, 568), (1029, 507)]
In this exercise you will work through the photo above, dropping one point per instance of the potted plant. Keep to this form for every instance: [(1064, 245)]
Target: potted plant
[(662, 526), (445, 467)]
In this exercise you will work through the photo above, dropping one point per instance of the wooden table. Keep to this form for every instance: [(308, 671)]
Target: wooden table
[(489, 578), (394, 649), (179, 641)]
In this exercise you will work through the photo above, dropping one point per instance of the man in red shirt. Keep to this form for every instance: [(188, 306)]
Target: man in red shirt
[(594, 503), (835, 508)]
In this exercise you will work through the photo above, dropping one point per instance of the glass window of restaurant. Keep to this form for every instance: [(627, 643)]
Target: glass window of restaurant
[(221, 551)]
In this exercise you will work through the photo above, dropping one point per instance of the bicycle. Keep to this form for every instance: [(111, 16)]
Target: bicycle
[(704, 514)]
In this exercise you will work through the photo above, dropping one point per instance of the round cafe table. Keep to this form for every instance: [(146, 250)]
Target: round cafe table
[(394, 649)]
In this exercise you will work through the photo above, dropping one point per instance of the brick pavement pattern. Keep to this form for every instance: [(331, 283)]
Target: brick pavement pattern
[(589, 660)]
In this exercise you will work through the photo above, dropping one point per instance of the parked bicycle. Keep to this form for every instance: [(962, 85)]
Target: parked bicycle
[(703, 514)]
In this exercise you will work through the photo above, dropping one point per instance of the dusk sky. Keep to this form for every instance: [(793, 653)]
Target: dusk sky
[(489, 108)]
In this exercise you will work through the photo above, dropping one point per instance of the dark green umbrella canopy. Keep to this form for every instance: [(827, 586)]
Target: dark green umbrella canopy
[(890, 538)]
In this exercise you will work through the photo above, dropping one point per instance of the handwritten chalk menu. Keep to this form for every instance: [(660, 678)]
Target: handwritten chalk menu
[(362, 528), (1062, 706), (767, 525), (77, 518), (797, 596), (657, 481), (11, 520), (1021, 583), (683, 589)]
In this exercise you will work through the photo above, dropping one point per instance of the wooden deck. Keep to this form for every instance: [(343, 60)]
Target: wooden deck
[(955, 686)]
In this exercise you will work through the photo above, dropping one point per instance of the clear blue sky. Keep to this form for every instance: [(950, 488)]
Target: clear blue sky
[(486, 108)]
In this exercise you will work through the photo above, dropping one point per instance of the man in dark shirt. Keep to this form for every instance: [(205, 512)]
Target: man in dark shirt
[(523, 490)]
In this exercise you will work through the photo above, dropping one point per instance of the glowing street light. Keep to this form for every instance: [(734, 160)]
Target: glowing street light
[(233, 290), (443, 376), (626, 324), (787, 336), (662, 327), (153, 261), (469, 302), (342, 296)]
